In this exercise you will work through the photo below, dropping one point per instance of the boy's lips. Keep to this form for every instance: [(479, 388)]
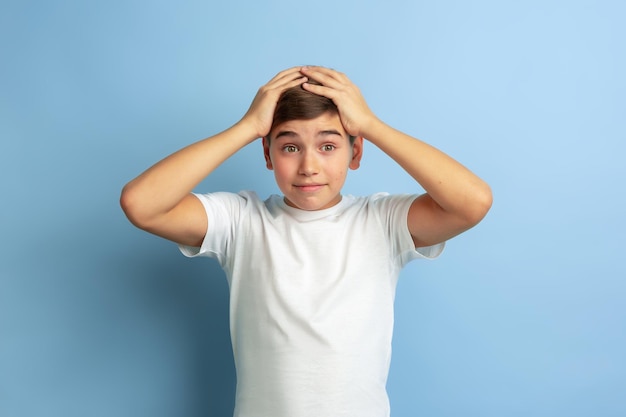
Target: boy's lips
[(309, 187)]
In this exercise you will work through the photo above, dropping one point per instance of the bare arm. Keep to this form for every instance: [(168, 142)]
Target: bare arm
[(159, 200), (455, 199)]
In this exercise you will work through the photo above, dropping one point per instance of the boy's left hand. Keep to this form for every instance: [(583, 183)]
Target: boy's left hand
[(354, 112)]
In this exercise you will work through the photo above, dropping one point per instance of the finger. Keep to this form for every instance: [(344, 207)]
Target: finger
[(297, 81), (287, 72), (320, 90), (286, 76), (333, 94), (288, 80), (325, 76)]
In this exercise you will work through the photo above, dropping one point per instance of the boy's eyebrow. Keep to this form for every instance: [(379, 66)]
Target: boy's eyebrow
[(329, 132), (292, 134), (288, 133)]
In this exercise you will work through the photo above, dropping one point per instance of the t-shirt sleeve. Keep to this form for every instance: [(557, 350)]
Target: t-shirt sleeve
[(394, 211), (222, 210)]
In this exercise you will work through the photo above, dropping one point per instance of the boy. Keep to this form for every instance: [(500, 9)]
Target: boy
[(312, 273)]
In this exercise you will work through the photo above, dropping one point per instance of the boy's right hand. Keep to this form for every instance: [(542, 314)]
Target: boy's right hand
[(261, 112)]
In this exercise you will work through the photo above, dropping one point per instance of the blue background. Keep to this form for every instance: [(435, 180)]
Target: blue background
[(522, 316)]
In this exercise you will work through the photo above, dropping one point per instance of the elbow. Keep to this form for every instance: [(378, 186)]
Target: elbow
[(132, 207), (481, 202)]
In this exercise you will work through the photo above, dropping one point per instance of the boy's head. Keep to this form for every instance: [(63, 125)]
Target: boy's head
[(309, 150), (296, 103)]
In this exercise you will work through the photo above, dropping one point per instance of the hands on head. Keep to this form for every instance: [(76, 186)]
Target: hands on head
[(354, 112)]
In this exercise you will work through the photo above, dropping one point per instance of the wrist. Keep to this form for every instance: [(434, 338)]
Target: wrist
[(373, 129), (247, 130)]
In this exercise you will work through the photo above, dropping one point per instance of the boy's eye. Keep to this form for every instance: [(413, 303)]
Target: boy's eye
[(290, 148), (328, 147)]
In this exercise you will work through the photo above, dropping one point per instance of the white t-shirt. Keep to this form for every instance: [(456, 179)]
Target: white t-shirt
[(311, 299)]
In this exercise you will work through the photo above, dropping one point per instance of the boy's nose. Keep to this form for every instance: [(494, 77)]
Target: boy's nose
[(309, 164)]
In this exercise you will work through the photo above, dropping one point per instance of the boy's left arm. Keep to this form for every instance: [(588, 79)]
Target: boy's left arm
[(455, 199)]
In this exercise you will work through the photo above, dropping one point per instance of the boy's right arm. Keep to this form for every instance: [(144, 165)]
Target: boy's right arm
[(159, 200)]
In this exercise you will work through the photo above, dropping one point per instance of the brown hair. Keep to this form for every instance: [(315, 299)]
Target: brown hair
[(296, 103)]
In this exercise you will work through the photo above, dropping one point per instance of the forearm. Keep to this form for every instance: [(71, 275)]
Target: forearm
[(161, 187), (452, 186)]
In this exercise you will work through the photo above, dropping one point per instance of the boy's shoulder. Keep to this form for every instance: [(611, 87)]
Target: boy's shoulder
[(248, 203)]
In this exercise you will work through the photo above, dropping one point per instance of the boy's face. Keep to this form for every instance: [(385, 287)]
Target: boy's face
[(310, 160)]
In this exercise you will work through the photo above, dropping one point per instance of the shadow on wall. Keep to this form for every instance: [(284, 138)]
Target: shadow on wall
[(180, 305), (123, 326)]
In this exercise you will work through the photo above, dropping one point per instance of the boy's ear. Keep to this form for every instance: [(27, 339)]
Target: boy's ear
[(357, 153), (266, 153)]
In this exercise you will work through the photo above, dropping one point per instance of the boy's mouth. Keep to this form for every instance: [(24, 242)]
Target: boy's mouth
[(309, 187)]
